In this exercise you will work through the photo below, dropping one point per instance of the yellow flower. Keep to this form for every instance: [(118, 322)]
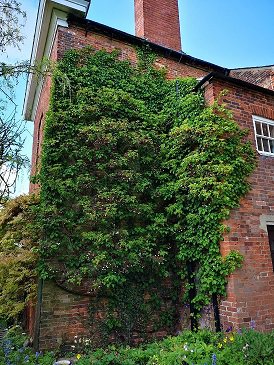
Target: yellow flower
[(220, 345), (78, 356), (225, 340), (231, 338)]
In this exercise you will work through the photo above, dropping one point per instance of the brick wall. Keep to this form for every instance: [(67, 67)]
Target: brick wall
[(250, 292), (158, 21), (66, 315), (76, 37), (63, 316), (39, 120)]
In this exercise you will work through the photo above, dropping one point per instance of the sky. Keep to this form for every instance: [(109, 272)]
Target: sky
[(229, 33)]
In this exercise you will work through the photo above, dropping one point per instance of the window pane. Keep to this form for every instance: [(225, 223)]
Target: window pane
[(258, 128), (265, 130), (259, 144), (271, 143), (271, 130), (265, 144)]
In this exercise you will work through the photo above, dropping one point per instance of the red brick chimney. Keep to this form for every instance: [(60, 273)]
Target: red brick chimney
[(158, 21)]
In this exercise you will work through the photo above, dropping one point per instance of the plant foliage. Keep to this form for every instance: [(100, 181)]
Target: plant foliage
[(15, 350), (137, 177), (17, 256), (248, 347)]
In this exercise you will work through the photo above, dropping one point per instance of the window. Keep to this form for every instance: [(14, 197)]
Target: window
[(264, 134), (270, 231)]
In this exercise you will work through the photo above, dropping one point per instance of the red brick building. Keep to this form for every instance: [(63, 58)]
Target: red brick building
[(62, 25)]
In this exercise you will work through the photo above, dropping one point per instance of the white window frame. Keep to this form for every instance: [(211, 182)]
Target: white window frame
[(267, 122)]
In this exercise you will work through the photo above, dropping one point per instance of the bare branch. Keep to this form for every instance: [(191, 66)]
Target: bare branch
[(12, 20)]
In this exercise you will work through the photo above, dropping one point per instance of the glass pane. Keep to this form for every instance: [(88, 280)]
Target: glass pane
[(271, 143), (271, 130), (266, 145), (259, 144), (265, 130), (258, 128)]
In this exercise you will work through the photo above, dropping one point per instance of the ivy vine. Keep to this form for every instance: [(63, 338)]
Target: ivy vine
[(137, 177)]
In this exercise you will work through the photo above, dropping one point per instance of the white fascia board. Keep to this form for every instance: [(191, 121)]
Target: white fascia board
[(51, 14), (80, 6)]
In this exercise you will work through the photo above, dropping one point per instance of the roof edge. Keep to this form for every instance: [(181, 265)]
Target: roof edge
[(251, 68), (51, 13), (181, 56), (232, 80)]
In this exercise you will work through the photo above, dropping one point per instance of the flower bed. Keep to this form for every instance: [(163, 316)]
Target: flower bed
[(247, 347)]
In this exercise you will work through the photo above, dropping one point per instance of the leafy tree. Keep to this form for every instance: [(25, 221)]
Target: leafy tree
[(17, 255)]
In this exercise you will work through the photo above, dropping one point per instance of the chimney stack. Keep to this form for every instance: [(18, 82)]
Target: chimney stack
[(158, 22)]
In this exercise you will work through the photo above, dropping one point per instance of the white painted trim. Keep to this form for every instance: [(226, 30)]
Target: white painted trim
[(266, 220), (51, 14), (34, 86), (78, 5), (256, 118)]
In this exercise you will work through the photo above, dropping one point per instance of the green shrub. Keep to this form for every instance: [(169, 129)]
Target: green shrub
[(202, 348), (18, 239), (248, 347)]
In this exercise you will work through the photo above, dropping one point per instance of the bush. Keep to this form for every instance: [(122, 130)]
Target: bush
[(202, 348), (18, 239)]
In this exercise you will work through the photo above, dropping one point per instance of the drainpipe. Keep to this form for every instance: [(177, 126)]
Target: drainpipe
[(216, 311), (36, 333), (192, 295)]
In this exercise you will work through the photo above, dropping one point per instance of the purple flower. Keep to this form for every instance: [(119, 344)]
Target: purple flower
[(214, 359), (229, 329), (252, 324), (6, 350)]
